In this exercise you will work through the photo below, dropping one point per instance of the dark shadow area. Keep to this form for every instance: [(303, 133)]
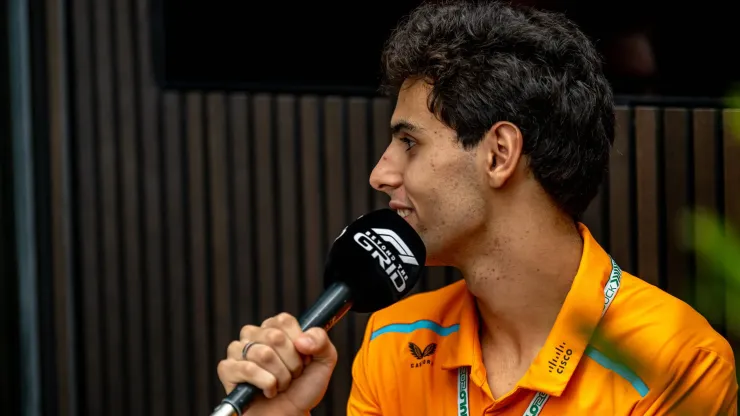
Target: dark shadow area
[(649, 48)]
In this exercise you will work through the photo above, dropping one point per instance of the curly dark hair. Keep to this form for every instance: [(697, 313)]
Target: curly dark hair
[(491, 61)]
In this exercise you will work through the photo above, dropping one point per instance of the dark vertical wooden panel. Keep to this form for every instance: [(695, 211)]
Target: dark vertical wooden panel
[(358, 168), (87, 213), (704, 158), (382, 111), (155, 300), (313, 215), (358, 172), (709, 296), (334, 169), (288, 171), (198, 266), (266, 190), (731, 153), (245, 264), (310, 175), (131, 225), (647, 194), (180, 375), (107, 166), (675, 149), (33, 223), (59, 145), (621, 192), (220, 272), (336, 211)]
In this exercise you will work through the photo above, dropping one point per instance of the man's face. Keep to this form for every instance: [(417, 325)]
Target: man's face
[(437, 185)]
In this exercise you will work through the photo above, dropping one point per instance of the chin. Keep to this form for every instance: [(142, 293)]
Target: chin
[(442, 246)]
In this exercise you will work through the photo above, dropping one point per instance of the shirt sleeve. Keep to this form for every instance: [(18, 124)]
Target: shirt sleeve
[(705, 384), (362, 399)]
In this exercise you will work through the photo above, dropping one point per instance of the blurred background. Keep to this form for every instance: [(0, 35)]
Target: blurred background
[(173, 170)]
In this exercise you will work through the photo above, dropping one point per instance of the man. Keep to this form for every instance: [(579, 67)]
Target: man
[(500, 137)]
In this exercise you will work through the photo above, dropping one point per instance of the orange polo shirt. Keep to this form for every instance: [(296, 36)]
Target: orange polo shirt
[(649, 354)]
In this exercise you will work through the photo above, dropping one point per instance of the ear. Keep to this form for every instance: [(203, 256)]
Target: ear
[(503, 149)]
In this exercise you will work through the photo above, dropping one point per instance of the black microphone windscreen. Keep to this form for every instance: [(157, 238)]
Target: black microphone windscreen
[(380, 257)]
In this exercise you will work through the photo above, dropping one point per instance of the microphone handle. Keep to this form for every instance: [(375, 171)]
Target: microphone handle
[(331, 306)]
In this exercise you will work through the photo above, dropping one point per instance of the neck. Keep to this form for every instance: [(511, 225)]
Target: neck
[(521, 280)]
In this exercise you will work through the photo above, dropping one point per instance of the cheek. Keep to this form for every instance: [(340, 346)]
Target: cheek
[(442, 189), (425, 182)]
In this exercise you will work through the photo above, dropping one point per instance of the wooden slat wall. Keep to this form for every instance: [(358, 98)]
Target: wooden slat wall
[(676, 173), (195, 213)]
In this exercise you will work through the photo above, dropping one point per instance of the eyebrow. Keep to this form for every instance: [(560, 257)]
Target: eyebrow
[(400, 125)]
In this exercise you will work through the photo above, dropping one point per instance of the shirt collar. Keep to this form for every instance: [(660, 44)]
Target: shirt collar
[(463, 349), (565, 345), (575, 324)]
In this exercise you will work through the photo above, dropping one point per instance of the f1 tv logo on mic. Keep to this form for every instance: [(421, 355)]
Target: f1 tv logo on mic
[(376, 242)]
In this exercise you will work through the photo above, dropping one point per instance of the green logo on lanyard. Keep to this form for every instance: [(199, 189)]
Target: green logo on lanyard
[(462, 391), (535, 406)]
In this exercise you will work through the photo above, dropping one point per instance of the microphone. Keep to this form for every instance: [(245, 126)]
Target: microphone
[(374, 263)]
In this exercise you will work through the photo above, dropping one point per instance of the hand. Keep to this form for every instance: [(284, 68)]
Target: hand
[(291, 367)]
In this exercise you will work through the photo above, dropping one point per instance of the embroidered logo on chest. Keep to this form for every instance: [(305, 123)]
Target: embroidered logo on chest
[(423, 357)]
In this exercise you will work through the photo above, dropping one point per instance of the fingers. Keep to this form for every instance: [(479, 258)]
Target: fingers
[(234, 350), (270, 360), (272, 348), (278, 353), (233, 372), (286, 322), (279, 333)]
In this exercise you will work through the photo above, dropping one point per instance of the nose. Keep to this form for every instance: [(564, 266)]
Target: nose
[(386, 176)]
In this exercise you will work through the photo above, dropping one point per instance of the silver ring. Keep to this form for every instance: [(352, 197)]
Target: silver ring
[(246, 348)]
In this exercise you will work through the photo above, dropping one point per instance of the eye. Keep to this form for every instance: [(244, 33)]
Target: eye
[(408, 142)]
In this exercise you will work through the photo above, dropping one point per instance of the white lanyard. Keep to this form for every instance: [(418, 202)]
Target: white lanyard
[(539, 400)]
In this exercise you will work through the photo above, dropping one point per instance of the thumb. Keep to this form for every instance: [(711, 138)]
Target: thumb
[(306, 391), (315, 343)]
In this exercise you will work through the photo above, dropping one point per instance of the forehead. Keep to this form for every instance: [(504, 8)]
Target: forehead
[(412, 111)]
